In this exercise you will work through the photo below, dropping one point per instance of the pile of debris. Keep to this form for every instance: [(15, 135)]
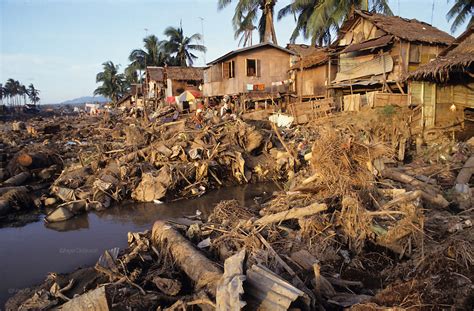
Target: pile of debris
[(355, 228), (102, 161)]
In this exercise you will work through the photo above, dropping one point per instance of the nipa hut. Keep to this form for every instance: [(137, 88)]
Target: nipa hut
[(373, 52), (444, 88)]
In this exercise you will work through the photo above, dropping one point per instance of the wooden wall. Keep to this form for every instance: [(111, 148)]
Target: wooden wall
[(274, 66), (406, 56), (314, 81), (436, 101)]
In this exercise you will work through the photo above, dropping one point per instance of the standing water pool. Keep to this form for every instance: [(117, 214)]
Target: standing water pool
[(29, 252)]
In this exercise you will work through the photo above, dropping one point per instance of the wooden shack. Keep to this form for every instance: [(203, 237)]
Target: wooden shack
[(172, 80), (259, 71), (374, 52), (180, 79), (444, 88), (155, 81), (310, 71)]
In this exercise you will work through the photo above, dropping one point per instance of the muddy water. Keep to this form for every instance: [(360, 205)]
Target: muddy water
[(28, 253)]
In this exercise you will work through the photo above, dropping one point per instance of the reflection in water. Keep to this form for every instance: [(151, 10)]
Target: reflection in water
[(28, 253), (79, 222)]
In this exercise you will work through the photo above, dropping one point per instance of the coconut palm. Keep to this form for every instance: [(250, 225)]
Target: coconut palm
[(245, 32), (12, 88), (2, 94), (318, 19), (113, 83), (23, 92), (182, 47), (253, 10), (33, 94), (460, 12), (153, 54)]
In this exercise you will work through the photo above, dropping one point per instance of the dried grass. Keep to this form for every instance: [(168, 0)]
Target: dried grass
[(342, 164)]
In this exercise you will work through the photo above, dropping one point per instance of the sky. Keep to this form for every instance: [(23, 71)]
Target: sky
[(59, 45)]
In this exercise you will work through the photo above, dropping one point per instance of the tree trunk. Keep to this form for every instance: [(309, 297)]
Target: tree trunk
[(35, 160), (197, 267)]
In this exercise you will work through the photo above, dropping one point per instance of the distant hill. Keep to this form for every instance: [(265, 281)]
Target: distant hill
[(86, 99)]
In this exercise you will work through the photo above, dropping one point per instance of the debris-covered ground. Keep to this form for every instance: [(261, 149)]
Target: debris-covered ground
[(73, 164), (371, 217)]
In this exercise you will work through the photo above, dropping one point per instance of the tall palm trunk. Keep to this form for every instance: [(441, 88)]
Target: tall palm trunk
[(269, 34)]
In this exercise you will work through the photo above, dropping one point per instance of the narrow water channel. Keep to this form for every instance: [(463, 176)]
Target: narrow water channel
[(28, 253)]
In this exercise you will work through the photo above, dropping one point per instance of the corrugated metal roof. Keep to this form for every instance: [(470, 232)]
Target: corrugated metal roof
[(369, 44), (272, 292)]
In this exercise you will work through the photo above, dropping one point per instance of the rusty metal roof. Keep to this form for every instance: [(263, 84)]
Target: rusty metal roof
[(369, 44), (272, 292)]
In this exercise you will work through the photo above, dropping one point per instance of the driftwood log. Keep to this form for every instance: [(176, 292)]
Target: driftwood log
[(294, 213), (35, 160), (205, 273), (4, 190), (428, 192), (18, 179), (466, 172)]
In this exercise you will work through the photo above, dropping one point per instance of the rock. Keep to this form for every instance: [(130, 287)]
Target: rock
[(60, 214), (50, 201)]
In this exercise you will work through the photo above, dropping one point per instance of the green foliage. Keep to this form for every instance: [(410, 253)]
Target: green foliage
[(114, 84), (319, 19), (388, 111), (460, 12), (13, 92), (181, 47), (250, 13)]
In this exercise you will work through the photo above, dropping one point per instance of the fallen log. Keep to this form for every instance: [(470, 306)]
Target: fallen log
[(14, 200), (294, 213), (4, 190), (204, 272), (409, 180), (35, 160), (466, 172), (18, 179), (413, 195)]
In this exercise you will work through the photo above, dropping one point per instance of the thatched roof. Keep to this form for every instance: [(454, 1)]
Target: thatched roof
[(408, 29), (302, 49), (185, 73), (318, 57), (155, 73), (175, 73), (455, 62)]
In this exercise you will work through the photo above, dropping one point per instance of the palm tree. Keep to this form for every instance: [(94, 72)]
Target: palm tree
[(244, 27), (2, 94), (318, 19), (153, 54), (113, 83), (181, 47), (23, 92), (12, 91), (33, 94), (246, 11), (245, 32), (460, 11)]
